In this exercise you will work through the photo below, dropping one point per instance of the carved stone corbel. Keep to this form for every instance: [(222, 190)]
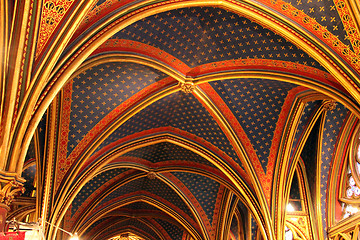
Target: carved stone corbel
[(8, 192)]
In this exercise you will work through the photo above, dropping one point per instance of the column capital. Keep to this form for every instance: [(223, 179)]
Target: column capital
[(8, 191)]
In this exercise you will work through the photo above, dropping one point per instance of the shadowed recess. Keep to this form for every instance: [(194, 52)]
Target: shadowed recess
[(245, 216), (31, 155), (295, 196), (174, 231), (165, 151), (234, 228), (42, 136), (308, 155), (29, 175), (152, 186), (309, 110)]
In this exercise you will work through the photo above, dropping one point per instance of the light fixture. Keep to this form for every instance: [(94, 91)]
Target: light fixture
[(37, 226), (351, 209), (72, 236)]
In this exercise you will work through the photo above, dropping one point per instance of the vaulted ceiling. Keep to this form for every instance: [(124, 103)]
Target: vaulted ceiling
[(187, 119)]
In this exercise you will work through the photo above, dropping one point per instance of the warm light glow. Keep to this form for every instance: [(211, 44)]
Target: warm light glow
[(288, 234), (290, 208), (127, 236), (351, 209), (74, 237)]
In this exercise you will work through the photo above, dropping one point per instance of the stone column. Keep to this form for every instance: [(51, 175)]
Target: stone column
[(8, 191)]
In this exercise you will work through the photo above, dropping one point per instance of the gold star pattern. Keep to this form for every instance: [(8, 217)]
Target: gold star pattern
[(198, 36), (334, 118), (257, 104), (181, 111), (99, 90), (204, 188)]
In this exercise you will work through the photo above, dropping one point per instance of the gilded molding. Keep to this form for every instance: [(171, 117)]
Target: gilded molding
[(353, 8), (348, 230), (281, 188)]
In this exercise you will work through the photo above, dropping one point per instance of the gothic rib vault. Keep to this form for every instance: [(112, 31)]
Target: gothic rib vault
[(179, 119)]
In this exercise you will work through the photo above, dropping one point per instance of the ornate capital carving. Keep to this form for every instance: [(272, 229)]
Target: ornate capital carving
[(187, 87), (8, 192)]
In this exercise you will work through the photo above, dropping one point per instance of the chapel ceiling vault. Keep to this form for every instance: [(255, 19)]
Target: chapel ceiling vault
[(183, 119)]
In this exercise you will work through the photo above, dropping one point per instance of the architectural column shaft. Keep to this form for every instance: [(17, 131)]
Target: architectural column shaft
[(3, 213)]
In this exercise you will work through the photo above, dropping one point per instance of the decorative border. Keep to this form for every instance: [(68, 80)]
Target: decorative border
[(349, 25), (62, 163), (52, 14), (217, 208)]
